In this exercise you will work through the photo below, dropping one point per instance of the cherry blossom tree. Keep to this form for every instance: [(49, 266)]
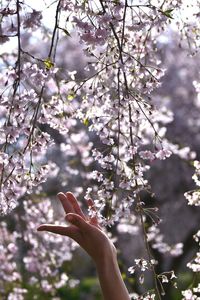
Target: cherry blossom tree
[(95, 124)]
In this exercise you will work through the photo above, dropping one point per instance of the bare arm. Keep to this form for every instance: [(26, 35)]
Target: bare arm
[(110, 279), (89, 235)]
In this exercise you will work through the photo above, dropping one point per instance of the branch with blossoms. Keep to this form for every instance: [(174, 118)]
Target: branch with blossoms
[(193, 198), (23, 107)]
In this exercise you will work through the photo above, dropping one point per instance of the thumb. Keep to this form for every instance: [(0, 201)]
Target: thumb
[(77, 221)]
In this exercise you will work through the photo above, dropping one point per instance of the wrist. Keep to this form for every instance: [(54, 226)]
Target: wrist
[(107, 258)]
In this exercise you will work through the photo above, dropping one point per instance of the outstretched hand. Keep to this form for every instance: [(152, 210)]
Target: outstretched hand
[(85, 230)]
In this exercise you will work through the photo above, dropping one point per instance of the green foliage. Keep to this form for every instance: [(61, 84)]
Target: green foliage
[(71, 96), (48, 63), (66, 32), (86, 122), (87, 289), (167, 13)]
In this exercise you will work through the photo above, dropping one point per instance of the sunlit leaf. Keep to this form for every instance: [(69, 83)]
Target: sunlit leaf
[(167, 13), (71, 96), (48, 63), (66, 32), (86, 122)]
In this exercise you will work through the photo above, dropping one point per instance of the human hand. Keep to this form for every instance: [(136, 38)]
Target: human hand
[(85, 230)]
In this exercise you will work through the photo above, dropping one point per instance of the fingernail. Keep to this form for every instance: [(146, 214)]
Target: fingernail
[(69, 218), (61, 196)]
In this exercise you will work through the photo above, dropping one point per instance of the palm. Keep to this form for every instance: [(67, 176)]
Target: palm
[(71, 206), (84, 230)]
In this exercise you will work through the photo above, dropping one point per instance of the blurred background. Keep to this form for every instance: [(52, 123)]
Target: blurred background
[(42, 266)]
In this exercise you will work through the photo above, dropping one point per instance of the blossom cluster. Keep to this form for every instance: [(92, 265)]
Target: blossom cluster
[(193, 197), (191, 294), (41, 260)]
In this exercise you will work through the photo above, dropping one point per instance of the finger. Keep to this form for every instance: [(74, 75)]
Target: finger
[(70, 231), (91, 206), (65, 203), (76, 206), (78, 221)]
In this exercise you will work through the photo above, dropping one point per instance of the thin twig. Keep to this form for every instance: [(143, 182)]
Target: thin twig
[(55, 28)]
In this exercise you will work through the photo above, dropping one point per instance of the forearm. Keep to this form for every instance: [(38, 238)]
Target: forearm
[(89, 235), (112, 284)]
